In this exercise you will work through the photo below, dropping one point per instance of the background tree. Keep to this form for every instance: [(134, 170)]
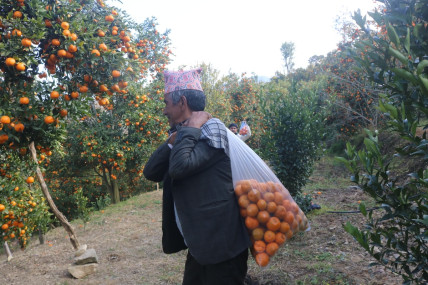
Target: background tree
[(287, 51), (56, 58), (396, 237)]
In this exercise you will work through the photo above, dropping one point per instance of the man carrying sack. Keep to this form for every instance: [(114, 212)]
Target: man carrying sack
[(199, 211)]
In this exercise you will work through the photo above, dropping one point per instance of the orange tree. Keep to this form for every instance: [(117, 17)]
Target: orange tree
[(218, 104), (105, 152), (56, 57), (397, 235), (294, 110), (243, 94)]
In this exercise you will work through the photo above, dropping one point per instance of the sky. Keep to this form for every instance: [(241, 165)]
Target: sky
[(245, 36)]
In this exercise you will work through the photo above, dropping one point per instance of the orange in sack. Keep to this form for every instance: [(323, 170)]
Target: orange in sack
[(270, 214)]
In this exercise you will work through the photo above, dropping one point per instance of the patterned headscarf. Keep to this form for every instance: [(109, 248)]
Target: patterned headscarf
[(181, 80)]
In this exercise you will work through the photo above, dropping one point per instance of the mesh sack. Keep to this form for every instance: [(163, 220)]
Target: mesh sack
[(271, 215)]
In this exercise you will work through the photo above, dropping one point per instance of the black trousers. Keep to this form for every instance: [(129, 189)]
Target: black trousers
[(229, 272)]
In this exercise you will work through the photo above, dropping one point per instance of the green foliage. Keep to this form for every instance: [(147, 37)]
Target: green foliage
[(82, 206), (394, 58), (294, 131), (304, 201)]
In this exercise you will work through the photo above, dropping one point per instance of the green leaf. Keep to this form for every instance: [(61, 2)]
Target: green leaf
[(421, 66), (405, 75), (398, 55), (392, 34), (407, 41)]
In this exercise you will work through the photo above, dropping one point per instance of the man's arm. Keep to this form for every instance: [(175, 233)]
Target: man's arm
[(189, 155), (158, 163)]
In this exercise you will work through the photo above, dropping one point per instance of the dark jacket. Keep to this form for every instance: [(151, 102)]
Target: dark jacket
[(198, 179)]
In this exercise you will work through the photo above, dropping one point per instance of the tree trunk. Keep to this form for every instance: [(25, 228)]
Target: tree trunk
[(109, 187), (115, 190), (67, 226), (8, 253), (41, 237)]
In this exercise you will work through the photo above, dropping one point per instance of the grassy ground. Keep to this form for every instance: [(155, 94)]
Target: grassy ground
[(127, 239)]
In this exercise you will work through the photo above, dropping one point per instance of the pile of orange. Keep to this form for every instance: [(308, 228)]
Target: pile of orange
[(271, 216)]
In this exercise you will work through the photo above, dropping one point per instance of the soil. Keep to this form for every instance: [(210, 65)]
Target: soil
[(127, 240)]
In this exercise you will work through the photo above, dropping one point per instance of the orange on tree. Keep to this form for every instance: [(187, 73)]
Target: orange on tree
[(24, 100), (49, 120), (10, 61), (54, 94), (5, 120), (30, 179), (20, 66)]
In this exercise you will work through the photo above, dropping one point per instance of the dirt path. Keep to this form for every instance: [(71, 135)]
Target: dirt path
[(127, 238)]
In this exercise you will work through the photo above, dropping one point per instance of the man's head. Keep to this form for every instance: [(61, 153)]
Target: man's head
[(234, 128), (183, 95)]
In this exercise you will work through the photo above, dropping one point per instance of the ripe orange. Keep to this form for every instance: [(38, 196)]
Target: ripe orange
[(65, 25), (2, 207), (49, 120), (24, 100), (254, 195), (251, 223), (103, 47), (19, 127), (72, 48), (20, 66), (257, 234), (273, 224), (115, 73), (103, 88), (243, 201), (278, 198), (54, 94), (285, 227), (73, 36), (30, 179), (101, 33), (262, 259), (26, 42), (289, 218), (5, 120), (3, 138), (280, 238), (252, 210), (271, 207), (271, 248), (61, 53), (261, 204), (280, 212), (10, 61), (259, 246), (269, 236), (268, 196), (4, 227), (96, 52), (74, 94), (263, 217), (83, 89), (109, 18), (56, 42), (17, 14)]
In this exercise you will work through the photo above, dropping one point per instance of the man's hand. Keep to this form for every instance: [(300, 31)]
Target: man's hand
[(197, 119)]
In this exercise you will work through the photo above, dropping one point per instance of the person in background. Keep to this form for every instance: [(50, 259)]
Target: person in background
[(199, 209), (244, 133)]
